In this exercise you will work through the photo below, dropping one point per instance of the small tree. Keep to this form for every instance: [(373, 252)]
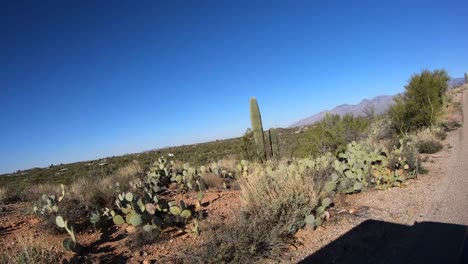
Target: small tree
[(422, 102)]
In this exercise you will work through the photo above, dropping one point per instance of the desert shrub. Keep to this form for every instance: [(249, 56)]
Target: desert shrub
[(100, 192), (451, 124), (430, 147), (29, 253), (275, 201), (10, 195), (95, 193), (427, 140), (129, 172), (264, 192), (247, 146), (36, 191), (212, 180), (422, 102), (440, 134), (70, 209), (333, 133), (246, 240), (381, 130)]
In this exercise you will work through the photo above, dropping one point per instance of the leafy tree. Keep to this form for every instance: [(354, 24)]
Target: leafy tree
[(422, 102)]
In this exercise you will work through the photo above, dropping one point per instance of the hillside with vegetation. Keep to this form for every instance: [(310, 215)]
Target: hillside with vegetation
[(242, 200)]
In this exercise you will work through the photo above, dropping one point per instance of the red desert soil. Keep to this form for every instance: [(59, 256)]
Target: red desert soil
[(17, 224), (438, 196)]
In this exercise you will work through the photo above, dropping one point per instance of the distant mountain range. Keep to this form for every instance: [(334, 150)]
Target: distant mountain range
[(380, 104), (456, 82)]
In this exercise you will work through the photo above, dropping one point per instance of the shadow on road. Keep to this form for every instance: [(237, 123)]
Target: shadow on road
[(381, 242)]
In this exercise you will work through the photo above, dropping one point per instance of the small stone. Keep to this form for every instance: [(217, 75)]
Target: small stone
[(146, 261)]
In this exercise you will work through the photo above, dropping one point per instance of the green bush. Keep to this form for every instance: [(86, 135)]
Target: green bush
[(422, 102), (333, 133)]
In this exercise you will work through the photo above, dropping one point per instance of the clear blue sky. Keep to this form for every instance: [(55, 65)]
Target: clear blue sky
[(82, 80)]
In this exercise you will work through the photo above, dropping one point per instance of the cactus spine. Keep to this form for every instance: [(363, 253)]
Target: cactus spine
[(257, 128), (274, 143)]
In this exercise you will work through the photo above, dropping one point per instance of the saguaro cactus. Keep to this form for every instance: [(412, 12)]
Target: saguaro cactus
[(274, 143), (257, 127), (466, 78)]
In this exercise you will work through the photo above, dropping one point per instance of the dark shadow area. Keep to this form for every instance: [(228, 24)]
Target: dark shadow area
[(105, 254), (7, 230), (381, 242)]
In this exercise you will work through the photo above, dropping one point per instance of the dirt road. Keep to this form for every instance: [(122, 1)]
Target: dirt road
[(449, 204)]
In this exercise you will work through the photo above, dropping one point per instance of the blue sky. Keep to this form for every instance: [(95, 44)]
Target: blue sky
[(82, 80)]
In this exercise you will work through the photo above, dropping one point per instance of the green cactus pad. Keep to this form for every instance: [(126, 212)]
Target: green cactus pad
[(129, 196), (60, 222), (310, 219), (326, 202), (330, 186), (334, 176), (175, 210), (135, 219), (357, 186), (118, 220), (186, 213), (320, 211), (318, 221)]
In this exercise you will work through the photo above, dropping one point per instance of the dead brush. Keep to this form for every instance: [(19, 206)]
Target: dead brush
[(30, 251)]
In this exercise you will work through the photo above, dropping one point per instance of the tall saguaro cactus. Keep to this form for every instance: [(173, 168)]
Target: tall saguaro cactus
[(274, 143), (466, 78), (257, 127)]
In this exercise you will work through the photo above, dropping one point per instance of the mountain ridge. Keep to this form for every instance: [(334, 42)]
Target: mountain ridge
[(380, 104)]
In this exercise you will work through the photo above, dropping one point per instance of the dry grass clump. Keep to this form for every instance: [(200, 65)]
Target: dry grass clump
[(212, 180), (101, 192), (30, 253), (282, 194), (274, 206), (35, 192), (130, 171), (228, 163), (247, 239), (427, 140)]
